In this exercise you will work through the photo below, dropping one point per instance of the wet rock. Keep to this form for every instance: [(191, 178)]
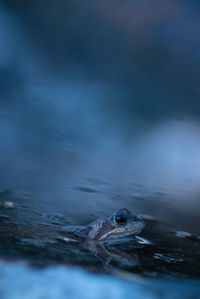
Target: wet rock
[(182, 234)]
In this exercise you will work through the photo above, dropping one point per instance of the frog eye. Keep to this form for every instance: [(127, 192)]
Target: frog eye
[(120, 219)]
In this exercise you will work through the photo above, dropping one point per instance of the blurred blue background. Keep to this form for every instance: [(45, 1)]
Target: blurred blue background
[(99, 107)]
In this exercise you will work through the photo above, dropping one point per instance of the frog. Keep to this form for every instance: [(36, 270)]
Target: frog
[(104, 236), (121, 224)]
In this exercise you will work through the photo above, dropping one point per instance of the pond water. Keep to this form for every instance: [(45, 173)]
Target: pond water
[(99, 112), (42, 239)]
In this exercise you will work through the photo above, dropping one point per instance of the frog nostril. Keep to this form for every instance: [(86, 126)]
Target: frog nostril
[(120, 219)]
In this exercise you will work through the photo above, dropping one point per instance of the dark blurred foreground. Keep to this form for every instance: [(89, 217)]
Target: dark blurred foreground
[(60, 282)]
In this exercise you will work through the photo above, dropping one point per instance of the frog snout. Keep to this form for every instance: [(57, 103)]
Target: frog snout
[(139, 220)]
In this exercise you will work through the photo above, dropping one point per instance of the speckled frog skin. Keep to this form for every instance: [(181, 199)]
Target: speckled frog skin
[(120, 225)]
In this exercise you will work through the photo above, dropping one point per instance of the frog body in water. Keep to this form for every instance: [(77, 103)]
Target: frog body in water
[(120, 225)]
